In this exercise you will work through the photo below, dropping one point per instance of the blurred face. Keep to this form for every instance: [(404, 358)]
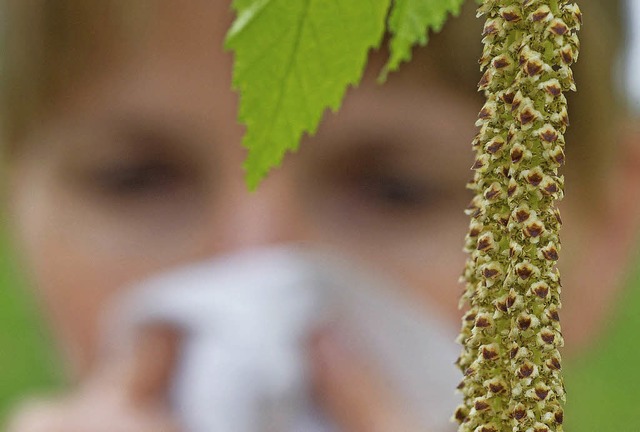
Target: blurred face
[(140, 169)]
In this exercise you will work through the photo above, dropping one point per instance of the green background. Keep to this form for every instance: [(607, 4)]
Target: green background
[(27, 361), (603, 386)]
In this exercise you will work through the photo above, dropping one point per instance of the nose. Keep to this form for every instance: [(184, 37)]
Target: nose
[(273, 214)]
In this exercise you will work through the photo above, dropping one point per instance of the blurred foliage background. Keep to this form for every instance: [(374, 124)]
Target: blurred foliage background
[(603, 385), (27, 359)]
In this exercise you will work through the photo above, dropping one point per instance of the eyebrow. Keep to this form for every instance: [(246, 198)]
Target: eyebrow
[(134, 134), (410, 117), (147, 133), (430, 137)]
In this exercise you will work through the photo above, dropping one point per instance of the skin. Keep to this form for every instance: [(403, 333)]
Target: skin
[(139, 169)]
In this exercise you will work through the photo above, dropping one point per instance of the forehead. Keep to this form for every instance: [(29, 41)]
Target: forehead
[(176, 27), (172, 51), (192, 34), (179, 45)]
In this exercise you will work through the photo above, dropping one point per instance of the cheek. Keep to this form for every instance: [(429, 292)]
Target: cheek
[(428, 259), (74, 287), (77, 263), (74, 281), (430, 263), (438, 274)]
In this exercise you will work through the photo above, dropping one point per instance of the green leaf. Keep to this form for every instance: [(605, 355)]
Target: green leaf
[(409, 24), (293, 59)]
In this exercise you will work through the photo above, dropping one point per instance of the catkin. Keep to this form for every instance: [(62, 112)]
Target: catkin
[(511, 331)]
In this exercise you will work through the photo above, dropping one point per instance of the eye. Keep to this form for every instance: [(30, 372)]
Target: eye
[(140, 178), (381, 179), (398, 191)]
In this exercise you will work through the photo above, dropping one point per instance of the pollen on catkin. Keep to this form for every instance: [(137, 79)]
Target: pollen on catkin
[(511, 331)]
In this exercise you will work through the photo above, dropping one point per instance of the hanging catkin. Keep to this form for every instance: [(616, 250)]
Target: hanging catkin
[(511, 332)]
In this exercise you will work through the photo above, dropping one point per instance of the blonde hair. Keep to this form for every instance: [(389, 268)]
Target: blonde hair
[(51, 44)]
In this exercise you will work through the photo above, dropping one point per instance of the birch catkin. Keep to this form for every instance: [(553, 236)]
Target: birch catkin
[(511, 332)]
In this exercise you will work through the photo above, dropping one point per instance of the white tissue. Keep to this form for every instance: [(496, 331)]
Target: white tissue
[(247, 319)]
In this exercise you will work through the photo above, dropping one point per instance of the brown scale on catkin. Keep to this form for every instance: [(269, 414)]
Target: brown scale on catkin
[(511, 332)]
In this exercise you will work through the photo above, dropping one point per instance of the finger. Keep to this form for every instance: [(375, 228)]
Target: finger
[(154, 361), (35, 416), (353, 393), (127, 393), (70, 416), (142, 373)]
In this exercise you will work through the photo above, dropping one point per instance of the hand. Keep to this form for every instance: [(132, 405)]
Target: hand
[(353, 393), (125, 394), (128, 394)]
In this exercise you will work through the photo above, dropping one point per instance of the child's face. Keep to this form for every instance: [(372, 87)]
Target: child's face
[(141, 169)]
